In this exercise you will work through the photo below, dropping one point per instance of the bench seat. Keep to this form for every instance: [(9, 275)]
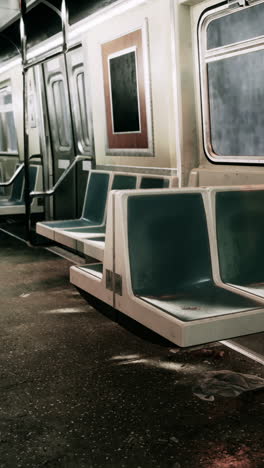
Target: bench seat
[(94, 207), (200, 302), (159, 265), (69, 232)]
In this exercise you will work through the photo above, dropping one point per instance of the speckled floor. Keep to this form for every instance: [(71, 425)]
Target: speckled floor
[(80, 390)]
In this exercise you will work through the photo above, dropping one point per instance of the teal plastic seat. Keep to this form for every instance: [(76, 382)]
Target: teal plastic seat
[(17, 187), (120, 182), (124, 182), (240, 234), (170, 260), (154, 182), (15, 204), (2, 190), (16, 194), (94, 204)]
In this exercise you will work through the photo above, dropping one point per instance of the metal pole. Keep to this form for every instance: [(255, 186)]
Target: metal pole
[(65, 28), (23, 38)]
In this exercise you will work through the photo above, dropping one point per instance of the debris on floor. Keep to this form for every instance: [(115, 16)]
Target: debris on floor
[(225, 383)]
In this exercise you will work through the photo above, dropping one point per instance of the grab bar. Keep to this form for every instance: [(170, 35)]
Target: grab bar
[(51, 192)]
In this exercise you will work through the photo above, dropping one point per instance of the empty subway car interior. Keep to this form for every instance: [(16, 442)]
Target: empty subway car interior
[(132, 145)]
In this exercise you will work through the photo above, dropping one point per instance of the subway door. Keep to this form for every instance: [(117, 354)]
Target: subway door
[(82, 120), (61, 133)]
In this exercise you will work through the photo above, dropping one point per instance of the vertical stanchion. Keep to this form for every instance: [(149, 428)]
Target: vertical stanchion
[(65, 27), (23, 38)]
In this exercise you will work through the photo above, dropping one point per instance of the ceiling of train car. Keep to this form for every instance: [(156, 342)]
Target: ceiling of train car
[(9, 9), (37, 29)]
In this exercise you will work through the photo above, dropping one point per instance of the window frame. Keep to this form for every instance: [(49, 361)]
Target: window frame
[(82, 125), (211, 55), (4, 109), (58, 78)]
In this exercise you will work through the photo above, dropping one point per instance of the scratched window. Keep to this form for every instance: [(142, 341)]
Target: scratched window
[(8, 136), (232, 68)]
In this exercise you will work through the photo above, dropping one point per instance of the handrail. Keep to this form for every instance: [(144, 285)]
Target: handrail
[(51, 192), (17, 172)]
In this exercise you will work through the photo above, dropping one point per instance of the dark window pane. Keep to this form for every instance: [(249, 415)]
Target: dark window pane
[(61, 112), (3, 142), (82, 109), (124, 93), (8, 139), (240, 26), (11, 129), (236, 97), (7, 98)]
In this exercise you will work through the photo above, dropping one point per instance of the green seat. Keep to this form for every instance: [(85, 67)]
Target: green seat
[(32, 178), (17, 196), (2, 190), (16, 191), (89, 230), (17, 186), (154, 182), (94, 204), (240, 234), (124, 182), (120, 182), (170, 260)]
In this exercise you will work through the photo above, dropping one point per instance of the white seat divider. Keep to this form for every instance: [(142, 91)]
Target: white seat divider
[(237, 221)]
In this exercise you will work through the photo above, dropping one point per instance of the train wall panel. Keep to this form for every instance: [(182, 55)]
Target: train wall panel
[(155, 16)]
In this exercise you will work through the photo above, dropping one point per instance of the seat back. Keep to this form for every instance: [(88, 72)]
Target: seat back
[(96, 196), (148, 182), (17, 186), (240, 234), (124, 181), (2, 190), (168, 243), (33, 170)]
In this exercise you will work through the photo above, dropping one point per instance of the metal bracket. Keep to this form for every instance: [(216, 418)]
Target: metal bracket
[(243, 3), (109, 280), (118, 284), (113, 282)]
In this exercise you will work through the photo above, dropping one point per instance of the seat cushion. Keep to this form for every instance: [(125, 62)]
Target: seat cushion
[(201, 302)]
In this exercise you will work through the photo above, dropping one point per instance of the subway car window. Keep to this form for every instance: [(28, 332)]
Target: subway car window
[(82, 109), (79, 81), (236, 117), (231, 28), (61, 115), (232, 67), (8, 138)]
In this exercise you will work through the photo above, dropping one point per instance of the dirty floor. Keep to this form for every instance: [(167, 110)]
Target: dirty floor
[(78, 389)]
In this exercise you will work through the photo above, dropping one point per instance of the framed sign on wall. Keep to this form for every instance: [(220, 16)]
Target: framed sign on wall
[(127, 95)]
